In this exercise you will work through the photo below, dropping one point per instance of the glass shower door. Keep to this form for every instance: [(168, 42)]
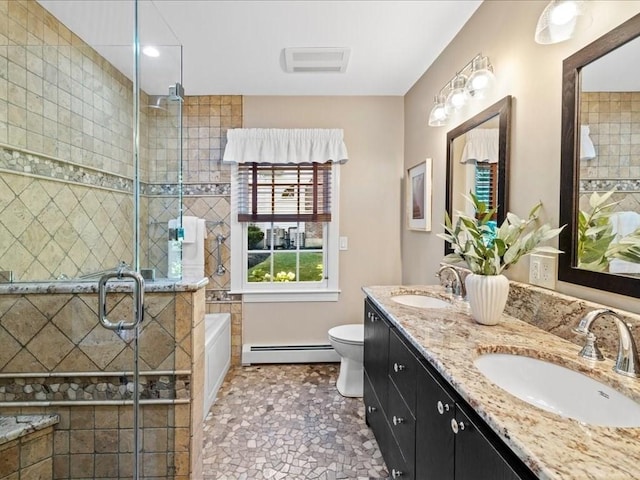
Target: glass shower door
[(90, 176)]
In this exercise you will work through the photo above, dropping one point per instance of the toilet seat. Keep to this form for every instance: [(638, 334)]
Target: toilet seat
[(350, 334)]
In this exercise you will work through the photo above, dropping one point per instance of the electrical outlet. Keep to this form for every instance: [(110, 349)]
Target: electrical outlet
[(543, 270)]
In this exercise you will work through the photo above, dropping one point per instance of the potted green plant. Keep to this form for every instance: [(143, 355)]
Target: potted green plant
[(597, 242), (488, 251)]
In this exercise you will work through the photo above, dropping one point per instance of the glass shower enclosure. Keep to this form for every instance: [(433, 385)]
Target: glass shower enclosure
[(91, 168), (91, 103)]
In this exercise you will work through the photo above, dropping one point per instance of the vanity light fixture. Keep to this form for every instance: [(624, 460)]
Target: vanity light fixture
[(560, 19), (474, 80)]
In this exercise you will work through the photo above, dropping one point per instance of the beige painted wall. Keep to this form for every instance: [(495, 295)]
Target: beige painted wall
[(369, 209), (531, 73)]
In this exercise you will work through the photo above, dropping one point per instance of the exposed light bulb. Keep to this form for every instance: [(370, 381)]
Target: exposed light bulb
[(439, 114), (560, 20), (563, 13), (458, 96), (481, 79)]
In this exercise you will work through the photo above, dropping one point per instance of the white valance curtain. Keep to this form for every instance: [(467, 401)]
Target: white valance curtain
[(285, 146), (482, 145)]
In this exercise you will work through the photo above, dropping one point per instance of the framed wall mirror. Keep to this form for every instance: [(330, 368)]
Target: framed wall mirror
[(478, 161), (600, 164)]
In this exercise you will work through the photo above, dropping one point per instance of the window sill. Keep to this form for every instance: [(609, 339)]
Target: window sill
[(275, 296)]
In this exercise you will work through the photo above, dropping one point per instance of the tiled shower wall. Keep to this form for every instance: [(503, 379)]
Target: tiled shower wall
[(56, 335), (59, 97), (614, 122), (207, 195), (66, 168)]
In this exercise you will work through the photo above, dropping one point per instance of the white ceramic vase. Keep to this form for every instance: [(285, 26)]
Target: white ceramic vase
[(487, 295)]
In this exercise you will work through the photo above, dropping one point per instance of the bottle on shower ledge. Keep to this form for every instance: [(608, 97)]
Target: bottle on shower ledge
[(174, 262)]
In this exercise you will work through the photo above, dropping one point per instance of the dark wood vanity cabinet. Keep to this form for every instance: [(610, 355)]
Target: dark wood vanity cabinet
[(424, 429), (451, 443), (386, 410)]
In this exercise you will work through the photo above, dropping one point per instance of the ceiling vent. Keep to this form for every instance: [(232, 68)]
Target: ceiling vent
[(316, 59)]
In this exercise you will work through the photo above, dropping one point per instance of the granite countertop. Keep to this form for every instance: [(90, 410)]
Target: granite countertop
[(91, 286), (554, 448), (16, 426)]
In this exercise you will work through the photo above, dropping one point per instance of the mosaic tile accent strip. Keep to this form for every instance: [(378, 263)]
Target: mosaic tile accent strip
[(288, 422), (165, 387), (56, 169), (607, 184), (196, 189), (31, 163)]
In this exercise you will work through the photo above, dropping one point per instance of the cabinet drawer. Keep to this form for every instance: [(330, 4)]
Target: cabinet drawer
[(397, 466), (376, 352), (402, 370), (402, 424), (374, 416)]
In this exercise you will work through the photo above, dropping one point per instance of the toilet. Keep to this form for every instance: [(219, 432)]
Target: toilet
[(348, 342)]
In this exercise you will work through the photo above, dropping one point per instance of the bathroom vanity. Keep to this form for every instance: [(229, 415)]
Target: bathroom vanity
[(435, 415)]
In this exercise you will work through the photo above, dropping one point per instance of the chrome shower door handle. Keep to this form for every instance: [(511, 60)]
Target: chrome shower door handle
[(138, 300)]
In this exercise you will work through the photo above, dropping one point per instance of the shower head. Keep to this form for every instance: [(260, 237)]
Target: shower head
[(160, 102), (157, 102)]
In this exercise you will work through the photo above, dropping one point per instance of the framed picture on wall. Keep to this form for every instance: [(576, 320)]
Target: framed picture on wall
[(418, 196)]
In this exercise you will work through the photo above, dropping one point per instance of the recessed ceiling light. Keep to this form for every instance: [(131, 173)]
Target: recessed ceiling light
[(151, 51), (316, 59)]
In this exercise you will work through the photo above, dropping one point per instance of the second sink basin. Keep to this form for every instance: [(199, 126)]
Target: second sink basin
[(560, 390), (420, 301)]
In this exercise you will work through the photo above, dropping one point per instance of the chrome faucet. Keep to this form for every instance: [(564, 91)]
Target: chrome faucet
[(458, 285), (627, 362)]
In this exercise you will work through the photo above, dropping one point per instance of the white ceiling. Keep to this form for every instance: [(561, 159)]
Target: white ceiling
[(235, 47)]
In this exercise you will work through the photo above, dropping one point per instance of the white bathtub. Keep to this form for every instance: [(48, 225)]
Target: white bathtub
[(217, 344)]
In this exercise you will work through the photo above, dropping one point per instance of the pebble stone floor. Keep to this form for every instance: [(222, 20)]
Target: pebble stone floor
[(288, 422)]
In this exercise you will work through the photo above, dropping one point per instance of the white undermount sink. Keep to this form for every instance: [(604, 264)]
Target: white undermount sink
[(420, 301), (560, 390)]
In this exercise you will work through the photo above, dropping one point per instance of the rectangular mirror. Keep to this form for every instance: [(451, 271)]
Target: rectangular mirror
[(478, 161), (600, 180)]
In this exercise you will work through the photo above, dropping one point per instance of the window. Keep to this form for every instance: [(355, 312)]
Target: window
[(286, 216), (486, 187)]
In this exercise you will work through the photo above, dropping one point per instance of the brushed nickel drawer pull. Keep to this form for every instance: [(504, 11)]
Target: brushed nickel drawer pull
[(456, 426), (398, 367), (442, 407), (396, 473)]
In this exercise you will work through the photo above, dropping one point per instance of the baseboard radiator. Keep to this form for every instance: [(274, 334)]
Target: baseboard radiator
[(252, 354)]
